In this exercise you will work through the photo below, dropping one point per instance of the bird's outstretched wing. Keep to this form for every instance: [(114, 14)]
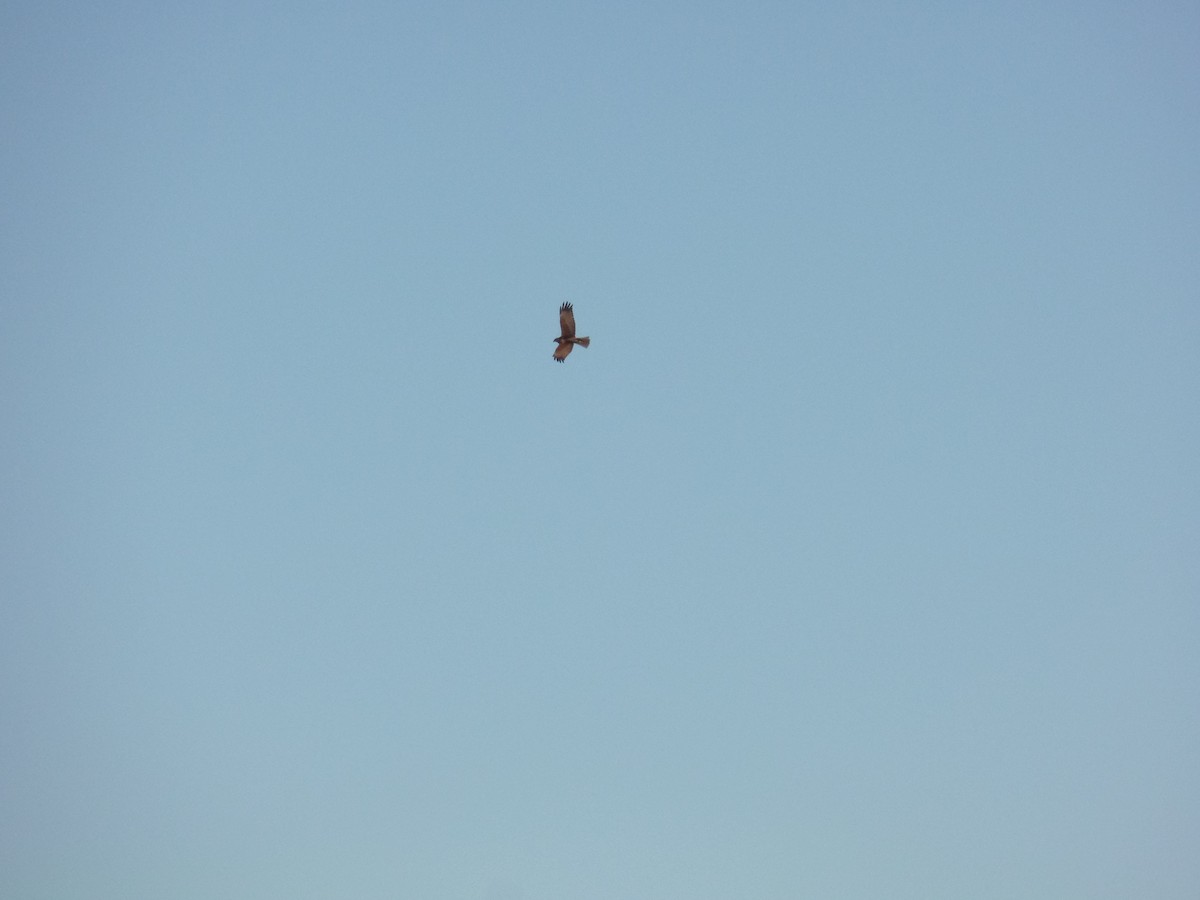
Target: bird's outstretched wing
[(566, 319), (561, 351)]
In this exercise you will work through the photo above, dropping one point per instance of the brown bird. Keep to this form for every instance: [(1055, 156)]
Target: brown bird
[(566, 318)]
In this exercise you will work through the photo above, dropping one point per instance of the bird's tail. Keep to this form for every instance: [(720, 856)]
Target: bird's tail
[(583, 342)]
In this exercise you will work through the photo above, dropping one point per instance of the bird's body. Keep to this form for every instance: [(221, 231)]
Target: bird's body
[(566, 320)]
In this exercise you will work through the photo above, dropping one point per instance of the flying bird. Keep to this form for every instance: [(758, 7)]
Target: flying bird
[(566, 318)]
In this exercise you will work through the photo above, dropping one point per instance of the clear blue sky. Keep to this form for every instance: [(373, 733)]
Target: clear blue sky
[(856, 558)]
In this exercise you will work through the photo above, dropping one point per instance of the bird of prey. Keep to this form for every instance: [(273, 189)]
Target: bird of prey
[(566, 318)]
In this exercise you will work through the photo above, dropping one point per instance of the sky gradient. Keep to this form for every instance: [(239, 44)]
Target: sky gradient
[(856, 558)]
